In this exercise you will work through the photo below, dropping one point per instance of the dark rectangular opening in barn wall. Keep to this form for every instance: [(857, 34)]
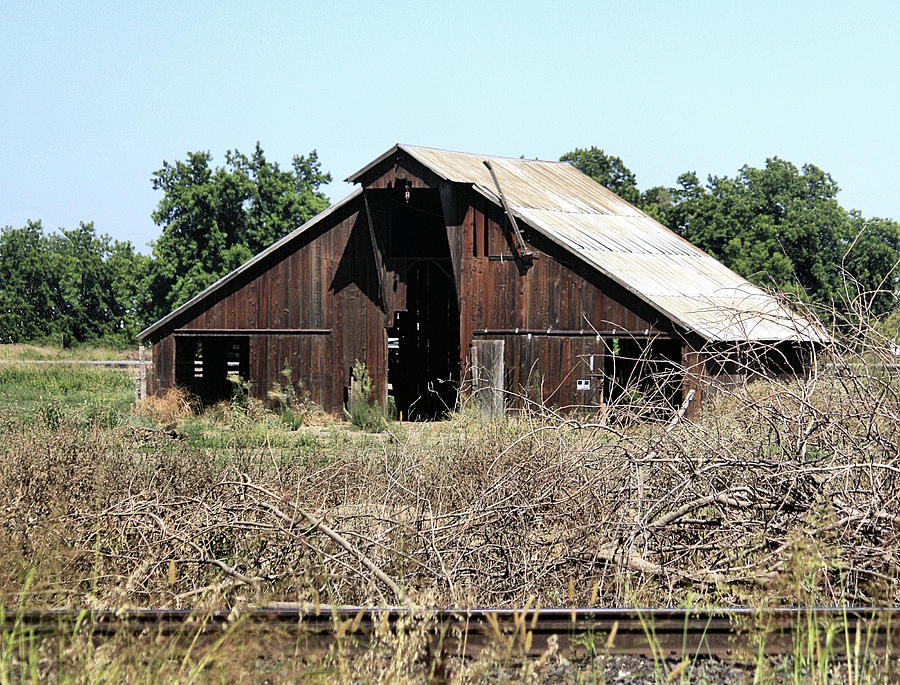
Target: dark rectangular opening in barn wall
[(423, 340), (642, 372), (209, 366)]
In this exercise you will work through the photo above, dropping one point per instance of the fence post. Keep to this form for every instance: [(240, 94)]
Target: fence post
[(142, 374)]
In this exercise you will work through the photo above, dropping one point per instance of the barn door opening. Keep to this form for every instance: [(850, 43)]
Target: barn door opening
[(643, 373), (423, 344), (209, 366)]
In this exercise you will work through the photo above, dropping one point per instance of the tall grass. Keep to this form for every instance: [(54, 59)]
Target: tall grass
[(17, 351), (782, 492), (30, 391)]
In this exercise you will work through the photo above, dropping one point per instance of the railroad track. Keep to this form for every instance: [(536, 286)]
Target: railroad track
[(733, 634)]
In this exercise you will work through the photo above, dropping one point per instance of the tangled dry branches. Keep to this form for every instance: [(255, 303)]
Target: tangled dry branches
[(783, 491)]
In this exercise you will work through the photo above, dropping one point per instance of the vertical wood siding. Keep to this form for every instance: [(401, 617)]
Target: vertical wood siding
[(323, 280), (495, 296)]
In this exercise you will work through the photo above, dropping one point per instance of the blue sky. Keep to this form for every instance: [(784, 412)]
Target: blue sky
[(97, 95)]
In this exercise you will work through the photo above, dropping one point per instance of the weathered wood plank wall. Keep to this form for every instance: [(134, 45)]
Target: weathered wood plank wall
[(309, 309), (556, 309)]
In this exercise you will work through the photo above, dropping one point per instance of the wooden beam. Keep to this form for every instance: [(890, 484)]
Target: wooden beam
[(522, 253), (581, 333), (199, 332), (379, 262)]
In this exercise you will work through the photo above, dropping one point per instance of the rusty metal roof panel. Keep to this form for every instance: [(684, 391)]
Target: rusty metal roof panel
[(627, 245)]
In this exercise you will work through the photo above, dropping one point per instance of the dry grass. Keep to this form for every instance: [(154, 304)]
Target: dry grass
[(169, 406), (782, 492), (18, 351)]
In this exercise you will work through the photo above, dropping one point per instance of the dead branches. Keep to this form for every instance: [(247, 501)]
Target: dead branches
[(788, 488)]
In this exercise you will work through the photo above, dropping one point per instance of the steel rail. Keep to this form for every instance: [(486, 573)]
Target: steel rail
[(735, 634)]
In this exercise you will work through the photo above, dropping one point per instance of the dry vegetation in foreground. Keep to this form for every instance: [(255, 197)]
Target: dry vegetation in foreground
[(784, 492)]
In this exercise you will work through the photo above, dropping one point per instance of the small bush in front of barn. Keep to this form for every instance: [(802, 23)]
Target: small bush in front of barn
[(167, 407), (294, 406), (364, 412)]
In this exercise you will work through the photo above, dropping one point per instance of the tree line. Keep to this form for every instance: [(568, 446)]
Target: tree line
[(780, 226)]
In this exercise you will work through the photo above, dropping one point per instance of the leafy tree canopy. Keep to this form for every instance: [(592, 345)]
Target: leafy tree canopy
[(215, 219), (70, 287)]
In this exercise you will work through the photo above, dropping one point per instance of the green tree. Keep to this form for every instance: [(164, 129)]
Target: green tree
[(870, 264), (657, 201), (27, 298), (213, 220), (607, 170), (778, 226), (68, 287)]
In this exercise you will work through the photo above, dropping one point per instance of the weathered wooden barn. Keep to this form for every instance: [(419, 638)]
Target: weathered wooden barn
[(445, 267)]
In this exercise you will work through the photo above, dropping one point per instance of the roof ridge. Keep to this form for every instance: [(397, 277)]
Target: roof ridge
[(408, 146)]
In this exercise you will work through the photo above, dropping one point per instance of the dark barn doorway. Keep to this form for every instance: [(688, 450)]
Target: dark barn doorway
[(642, 372), (423, 345), (423, 340), (209, 366)]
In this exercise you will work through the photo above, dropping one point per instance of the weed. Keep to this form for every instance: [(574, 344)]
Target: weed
[(364, 412), (293, 403), (168, 406), (782, 492)]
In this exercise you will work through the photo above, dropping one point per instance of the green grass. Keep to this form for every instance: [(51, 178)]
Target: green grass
[(12, 352), (241, 432), (48, 392)]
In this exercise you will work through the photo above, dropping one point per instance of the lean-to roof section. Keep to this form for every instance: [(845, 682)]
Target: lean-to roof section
[(625, 244), (230, 276)]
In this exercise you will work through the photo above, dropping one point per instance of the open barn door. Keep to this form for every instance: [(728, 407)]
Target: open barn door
[(423, 345), (421, 302)]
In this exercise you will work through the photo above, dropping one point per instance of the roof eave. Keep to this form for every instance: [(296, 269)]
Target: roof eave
[(802, 333), (354, 177)]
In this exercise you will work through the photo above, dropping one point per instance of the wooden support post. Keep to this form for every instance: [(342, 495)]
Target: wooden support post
[(142, 374), (488, 377), (694, 365)]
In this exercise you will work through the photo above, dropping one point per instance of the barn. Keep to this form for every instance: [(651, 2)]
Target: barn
[(448, 272)]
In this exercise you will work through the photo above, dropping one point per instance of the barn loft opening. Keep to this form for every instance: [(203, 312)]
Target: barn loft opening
[(423, 340), (209, 366)]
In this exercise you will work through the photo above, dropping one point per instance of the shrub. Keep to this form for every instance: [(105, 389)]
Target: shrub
[(364, 411), (169, 406), (295, 408)]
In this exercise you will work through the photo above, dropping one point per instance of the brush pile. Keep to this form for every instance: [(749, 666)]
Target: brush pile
[(782, 491)]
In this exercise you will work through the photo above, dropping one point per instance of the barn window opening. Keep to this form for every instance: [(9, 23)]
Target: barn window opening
[(209, 367), (642, 372)]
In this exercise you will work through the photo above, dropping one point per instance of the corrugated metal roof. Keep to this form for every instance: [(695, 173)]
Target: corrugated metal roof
[(625, 244)]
